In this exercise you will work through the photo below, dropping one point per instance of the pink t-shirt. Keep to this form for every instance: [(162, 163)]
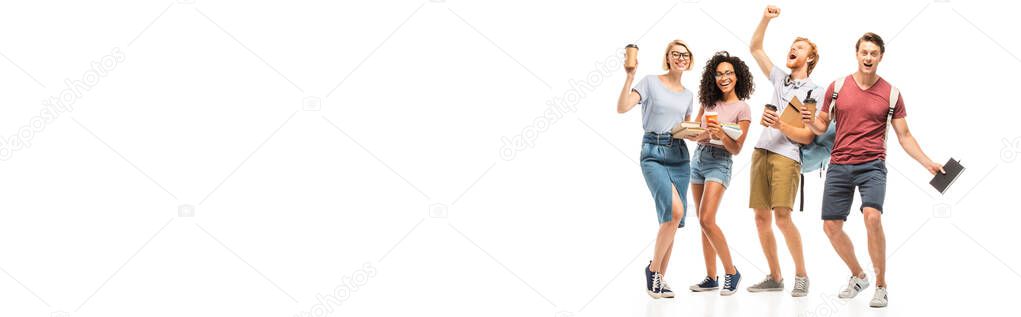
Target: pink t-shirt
[(733, 112), (861, 121)]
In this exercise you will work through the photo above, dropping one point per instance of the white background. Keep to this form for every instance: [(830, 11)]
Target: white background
[(398, 182)]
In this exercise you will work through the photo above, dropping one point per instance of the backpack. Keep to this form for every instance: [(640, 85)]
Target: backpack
[(815, 155)]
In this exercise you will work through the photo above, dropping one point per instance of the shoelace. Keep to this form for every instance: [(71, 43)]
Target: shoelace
[(727, 280), (657, 282), (705, 282), (800, 283)]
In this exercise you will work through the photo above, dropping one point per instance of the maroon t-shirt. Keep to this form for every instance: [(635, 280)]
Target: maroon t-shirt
[(861, 121)]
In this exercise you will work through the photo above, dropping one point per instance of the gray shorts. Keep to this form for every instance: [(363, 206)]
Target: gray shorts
[(841, 179)]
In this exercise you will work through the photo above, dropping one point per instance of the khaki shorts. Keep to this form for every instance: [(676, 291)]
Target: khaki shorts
[(774, 179)]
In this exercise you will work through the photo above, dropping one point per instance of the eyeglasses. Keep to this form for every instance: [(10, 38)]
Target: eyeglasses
[(724, 74), (679, 55)]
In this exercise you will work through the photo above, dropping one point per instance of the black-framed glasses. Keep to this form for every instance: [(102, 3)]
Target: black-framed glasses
[(724, 74), (679, 55)]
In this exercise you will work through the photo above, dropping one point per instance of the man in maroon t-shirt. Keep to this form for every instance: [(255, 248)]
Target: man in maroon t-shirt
[(858, 160)]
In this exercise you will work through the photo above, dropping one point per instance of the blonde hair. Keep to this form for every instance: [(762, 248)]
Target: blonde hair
[(666, 55), (813, 53)]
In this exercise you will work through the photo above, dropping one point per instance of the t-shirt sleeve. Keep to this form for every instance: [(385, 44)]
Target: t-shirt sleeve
[(745, 114), (777, 75), (898, 110), (827, 99), (691, 105), (642, 88)]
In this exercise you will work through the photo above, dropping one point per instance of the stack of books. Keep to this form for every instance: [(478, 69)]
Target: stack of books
[(686, 128)]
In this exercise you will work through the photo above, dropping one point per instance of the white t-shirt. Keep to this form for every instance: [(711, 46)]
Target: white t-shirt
[(784, 89)]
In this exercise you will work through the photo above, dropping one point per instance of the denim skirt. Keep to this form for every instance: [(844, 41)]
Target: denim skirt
[(664, 163)]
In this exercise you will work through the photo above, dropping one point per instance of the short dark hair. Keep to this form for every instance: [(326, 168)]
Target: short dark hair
[(709, 94), (871, 37)]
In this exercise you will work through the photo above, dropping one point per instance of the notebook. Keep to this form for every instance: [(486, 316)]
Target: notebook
[(943, 181), (792, 114), (732, 130)]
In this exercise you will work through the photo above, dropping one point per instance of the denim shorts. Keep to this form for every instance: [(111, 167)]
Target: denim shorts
[(711, 164), (841, 180), (664, 163)]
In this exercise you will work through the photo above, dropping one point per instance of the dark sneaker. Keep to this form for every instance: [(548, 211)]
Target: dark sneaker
[(648, 278), (656, 291), (708, 284), (665, 291), (730, 282)]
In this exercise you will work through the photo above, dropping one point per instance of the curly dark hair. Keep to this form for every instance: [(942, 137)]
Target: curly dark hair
[(709, 94)]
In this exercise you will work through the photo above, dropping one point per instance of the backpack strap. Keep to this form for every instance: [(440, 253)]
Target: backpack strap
[(837, 84), (802, 193), (894, 96)]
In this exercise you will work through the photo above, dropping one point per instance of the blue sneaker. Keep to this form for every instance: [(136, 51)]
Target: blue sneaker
[(730, 282), (656, 290), (648, 278), (708, 284), (665, 291)]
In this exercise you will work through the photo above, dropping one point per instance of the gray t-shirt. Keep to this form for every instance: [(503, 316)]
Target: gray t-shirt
[(661, 107), (784, 89)]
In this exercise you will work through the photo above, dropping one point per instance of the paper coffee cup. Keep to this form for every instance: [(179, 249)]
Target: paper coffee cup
[(712, 116), (631, 56)]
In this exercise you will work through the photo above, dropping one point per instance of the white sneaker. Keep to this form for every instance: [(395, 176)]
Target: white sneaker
[(879, 300), (854, 286)]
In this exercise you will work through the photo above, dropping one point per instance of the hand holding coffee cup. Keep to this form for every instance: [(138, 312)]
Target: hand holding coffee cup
[(631, 58), (808, 111), (769, 108), (712, 117), (807, 116), (771, 119)]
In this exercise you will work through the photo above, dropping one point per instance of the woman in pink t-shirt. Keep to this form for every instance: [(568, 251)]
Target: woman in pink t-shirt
[(726, 81)]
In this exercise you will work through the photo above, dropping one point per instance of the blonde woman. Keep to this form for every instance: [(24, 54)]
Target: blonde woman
[(664, 160)]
